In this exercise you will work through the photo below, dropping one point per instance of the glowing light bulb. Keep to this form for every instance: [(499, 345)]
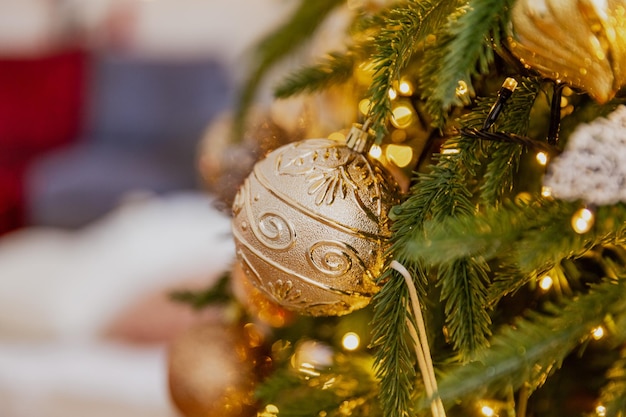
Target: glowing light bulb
[(601, 410), (376, 151), (546, 191), (364, 106), (546, 283), (542, 158), (583, 220), (400, 155), (405, 88), (392, 94), (461, 89), (350, 341), (337, 136), (597, 333), (487, 411), (450, 151), (402, 116), (270, 410)]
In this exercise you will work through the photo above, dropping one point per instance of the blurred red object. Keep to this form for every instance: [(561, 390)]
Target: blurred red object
[(41, 108)]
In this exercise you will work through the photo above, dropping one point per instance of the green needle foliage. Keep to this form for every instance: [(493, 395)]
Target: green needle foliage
[(406, 28), (474, 248), (394, 362), (337, 68), (530, 351), (463, 50), (613, 394)]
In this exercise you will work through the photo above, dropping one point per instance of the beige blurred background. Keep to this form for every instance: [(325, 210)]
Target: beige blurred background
[(102, 106)]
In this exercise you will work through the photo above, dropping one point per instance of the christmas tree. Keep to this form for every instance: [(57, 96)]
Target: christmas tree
[(495, 272)]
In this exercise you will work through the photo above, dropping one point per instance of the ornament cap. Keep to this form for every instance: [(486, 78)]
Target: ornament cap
[(359, 138)]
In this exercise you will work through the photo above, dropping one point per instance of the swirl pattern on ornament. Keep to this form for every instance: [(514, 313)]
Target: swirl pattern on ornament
[(332, 258), (271, 229), (274, 231)]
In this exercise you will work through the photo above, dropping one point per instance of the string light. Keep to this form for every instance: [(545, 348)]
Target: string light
[(597, 333), (392, 94), (546, 191), (376, 151), (487, 411), (364, 106), (337, 136), (461, 88), (542, 158), (400, 155), (403, 116), (546, 282), (351, 341), (270, 410), (405, 88), (601, 410), (583, 220)]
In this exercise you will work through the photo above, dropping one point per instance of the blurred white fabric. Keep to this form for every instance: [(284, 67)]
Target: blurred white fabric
[(59, 290), (82, 379), (70, 285)]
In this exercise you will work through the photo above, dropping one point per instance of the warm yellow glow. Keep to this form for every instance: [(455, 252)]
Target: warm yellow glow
[(350, 341), (601, 410), (400, 155), (546, 283), (405, 88), (597, 333), (364, 106), (392, 94), (542, 158), (461, 88), (582, 220), (450, 151), (487, 411), (270, 410), (376, 151), (546, 191), (402, 116), (398, 135), (337, 137)]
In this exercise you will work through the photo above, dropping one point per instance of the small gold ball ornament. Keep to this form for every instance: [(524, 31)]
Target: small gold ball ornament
[(212, 371), (311, 226), (581, 42)]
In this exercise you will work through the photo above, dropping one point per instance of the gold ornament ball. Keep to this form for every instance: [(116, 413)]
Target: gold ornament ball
[(580, 42), (211, 372), (256, 302), (311, 226)]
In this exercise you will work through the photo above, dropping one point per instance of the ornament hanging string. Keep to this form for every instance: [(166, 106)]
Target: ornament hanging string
[(420, 341)]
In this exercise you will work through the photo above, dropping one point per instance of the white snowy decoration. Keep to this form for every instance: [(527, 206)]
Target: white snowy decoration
[(593, 166)]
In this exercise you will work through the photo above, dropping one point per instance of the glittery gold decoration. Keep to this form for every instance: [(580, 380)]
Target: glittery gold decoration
[(212, 371), (581, 42), (311, 226), (257, 302)]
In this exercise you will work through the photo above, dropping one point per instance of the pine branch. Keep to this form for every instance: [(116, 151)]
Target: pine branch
[(297, 29), (529, 351), (346, 385), (462, 51), (393, 355), (613, 394), (406, 26), (336, 68), (527, 235), (505, 157), (464, 289)]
